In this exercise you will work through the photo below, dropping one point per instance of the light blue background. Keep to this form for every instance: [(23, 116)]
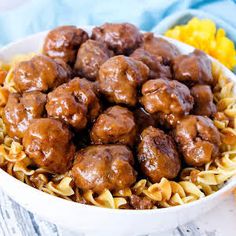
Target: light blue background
[(37, 15)]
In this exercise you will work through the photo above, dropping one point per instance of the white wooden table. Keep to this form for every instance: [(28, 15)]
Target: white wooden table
[(16, 221)]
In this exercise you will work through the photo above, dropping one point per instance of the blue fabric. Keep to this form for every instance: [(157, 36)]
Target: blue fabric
[(38, 15)]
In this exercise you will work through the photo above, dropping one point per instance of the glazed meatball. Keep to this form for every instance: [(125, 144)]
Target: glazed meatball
[(40, 73), (198, 140), (168, 97), (119, 78), (194, 68), (203, 100), (20, 110), (121, 38), (48, 143), (74, 102), (91, 55), (156, 66), (159, 47), (115, 125), (158, 155), (102, 167), (63, 43)]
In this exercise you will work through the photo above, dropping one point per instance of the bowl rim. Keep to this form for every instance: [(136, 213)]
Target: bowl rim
[(224, 189)]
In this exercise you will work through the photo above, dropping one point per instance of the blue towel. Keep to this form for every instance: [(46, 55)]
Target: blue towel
[(33, 15)]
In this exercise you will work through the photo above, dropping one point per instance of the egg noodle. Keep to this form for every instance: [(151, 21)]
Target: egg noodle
[(192, 184)]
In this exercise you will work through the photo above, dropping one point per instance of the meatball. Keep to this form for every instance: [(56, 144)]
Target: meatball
[(74, 102), (160, 47), (115, 125), (91, 55), (20, 110), (102, 167), (203, 100), (168, 97), (158, 155), (40, 73), (198, 139), (48, 143), (119, 78), (63, 43), (194, 68), (157, 68), (121, 38)]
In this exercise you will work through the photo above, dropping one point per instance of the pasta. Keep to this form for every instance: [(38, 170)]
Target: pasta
[(105, 199), (193, 184)]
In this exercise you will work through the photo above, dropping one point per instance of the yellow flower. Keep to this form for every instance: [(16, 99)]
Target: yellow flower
[(202, 34)]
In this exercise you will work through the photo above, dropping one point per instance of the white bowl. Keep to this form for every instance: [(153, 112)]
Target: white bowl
[(91, 219)]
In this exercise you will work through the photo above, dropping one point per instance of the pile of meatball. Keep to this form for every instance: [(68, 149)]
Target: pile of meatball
[(113, 107)]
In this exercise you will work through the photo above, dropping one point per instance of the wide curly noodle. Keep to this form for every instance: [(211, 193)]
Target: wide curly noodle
[(194, 183)]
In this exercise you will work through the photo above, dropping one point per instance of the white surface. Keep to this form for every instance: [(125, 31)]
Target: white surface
[(91, 219)]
